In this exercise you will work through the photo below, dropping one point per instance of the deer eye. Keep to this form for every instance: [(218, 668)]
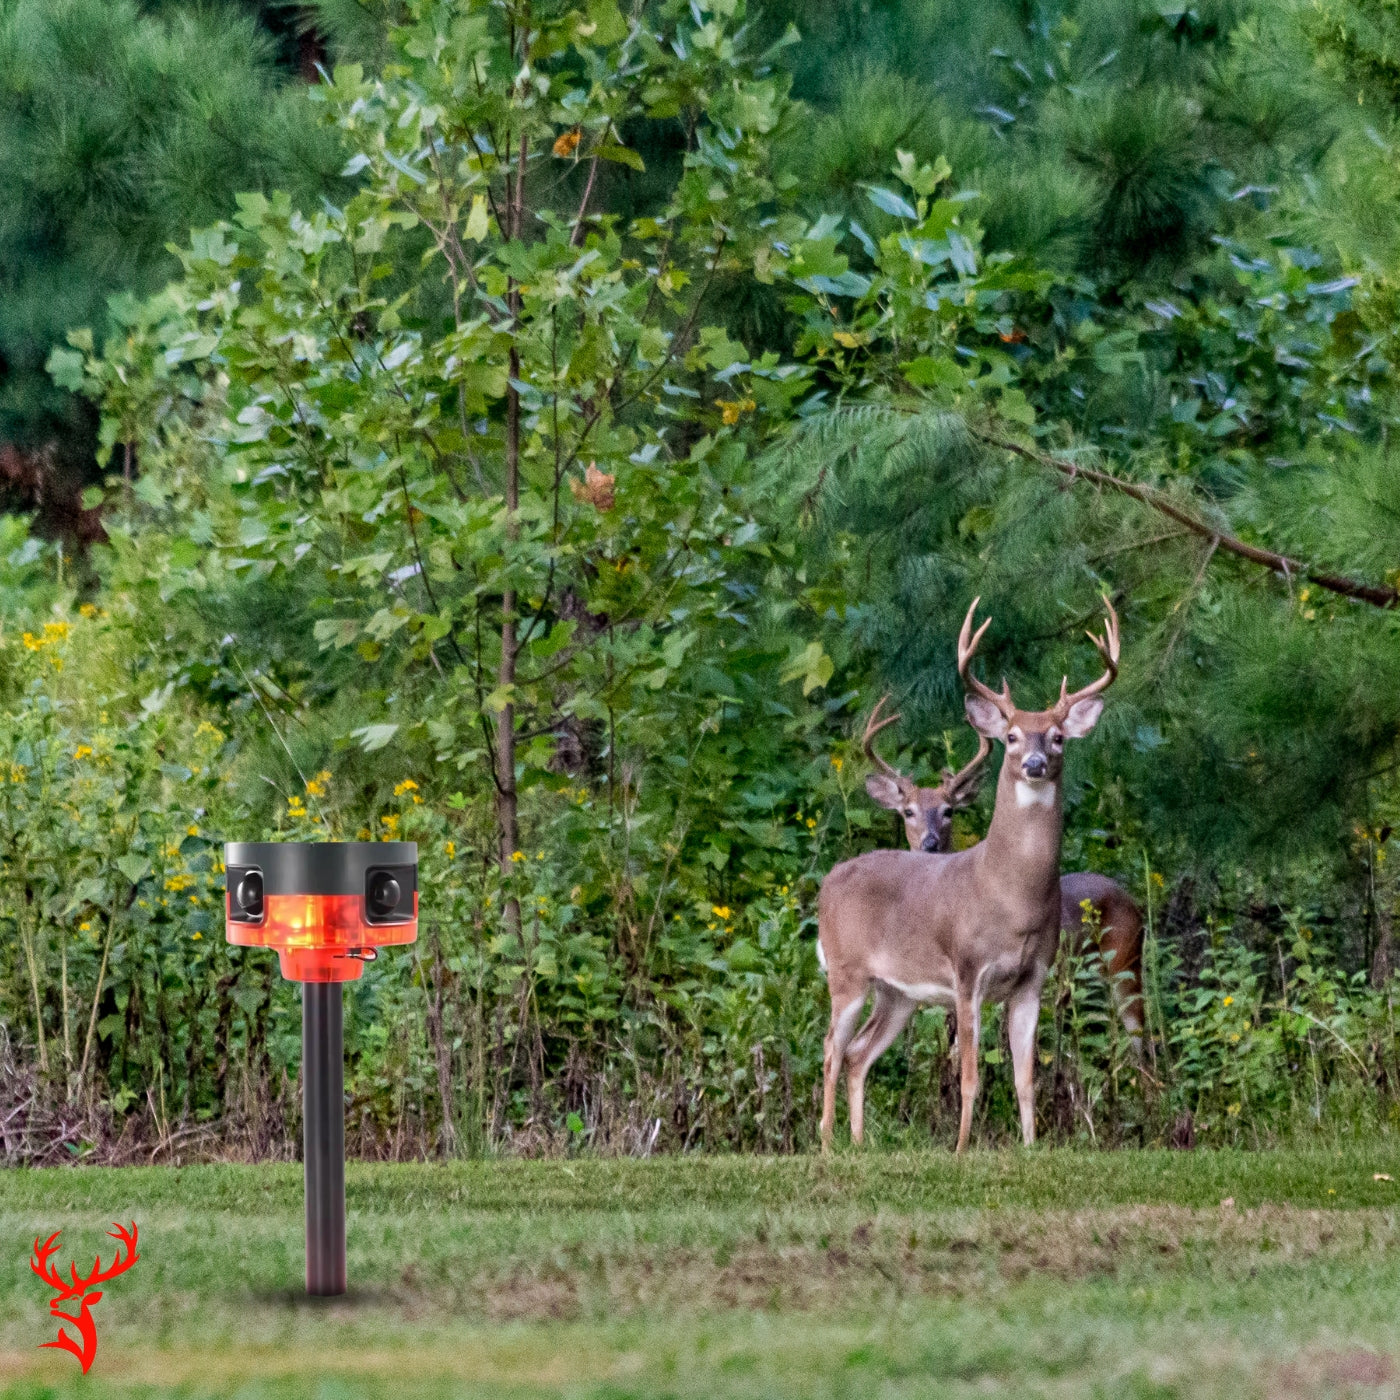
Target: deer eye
[(1056, 738), (1013, 736), (909, 812)]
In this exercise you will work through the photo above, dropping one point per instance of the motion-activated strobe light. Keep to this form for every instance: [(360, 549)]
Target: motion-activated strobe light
[(325, 907)]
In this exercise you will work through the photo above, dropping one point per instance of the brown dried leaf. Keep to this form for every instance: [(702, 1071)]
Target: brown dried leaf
[(596, 488)]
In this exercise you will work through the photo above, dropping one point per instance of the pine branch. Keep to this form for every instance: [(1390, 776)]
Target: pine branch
[(1381, 595)]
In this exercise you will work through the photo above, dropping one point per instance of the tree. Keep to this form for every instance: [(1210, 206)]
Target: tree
[(518, 489), (118, 132)]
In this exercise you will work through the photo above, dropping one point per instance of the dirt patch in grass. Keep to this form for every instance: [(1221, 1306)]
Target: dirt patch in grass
[(881, 1258), (1353, 1371)]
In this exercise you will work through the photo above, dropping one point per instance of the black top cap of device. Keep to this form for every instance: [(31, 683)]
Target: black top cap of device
[(323, 867)]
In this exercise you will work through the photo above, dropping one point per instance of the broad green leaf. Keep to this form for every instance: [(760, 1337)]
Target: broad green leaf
[(374, 736)]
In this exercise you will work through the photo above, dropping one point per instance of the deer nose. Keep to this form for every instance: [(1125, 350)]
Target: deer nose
[(1033, 765), (931, 842)]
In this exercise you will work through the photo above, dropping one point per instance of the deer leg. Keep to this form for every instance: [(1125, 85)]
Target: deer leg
[(1023, 1020), (838, 1036), (969, 1033), (891, 1015), (1123, 959)]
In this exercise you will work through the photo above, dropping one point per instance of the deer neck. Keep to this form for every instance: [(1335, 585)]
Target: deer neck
[(1022, 848)]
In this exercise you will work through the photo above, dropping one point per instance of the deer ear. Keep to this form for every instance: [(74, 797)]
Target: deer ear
[(1082, 717), (885, 791), (985, 718)]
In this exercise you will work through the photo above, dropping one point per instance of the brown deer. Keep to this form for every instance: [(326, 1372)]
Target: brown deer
[(963, 927), (927, 811), (1113, 919)]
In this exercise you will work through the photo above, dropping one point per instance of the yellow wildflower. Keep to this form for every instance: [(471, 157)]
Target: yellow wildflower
[(55, 631), (31, 642), (837, 762), (176, 883), (18, 772), (811, 823), (84, 926), (517, 856), (82, 751), (720, 911), (408, 785), (196, 935), (192, 830), (1229, 1001), (390, 824), (1157, 879), (363, 834), (730, 409), (315, 788), (450, 847), (204, 727), (87, 610)]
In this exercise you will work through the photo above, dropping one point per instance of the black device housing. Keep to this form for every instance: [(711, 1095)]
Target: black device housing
[(323, 867)]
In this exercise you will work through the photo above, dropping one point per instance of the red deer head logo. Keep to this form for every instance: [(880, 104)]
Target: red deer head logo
[(81, 1290)]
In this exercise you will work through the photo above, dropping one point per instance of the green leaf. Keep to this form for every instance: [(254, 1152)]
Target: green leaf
[(478, 225), (336, 631), (1014, 405), (922, 179), (622, 155), (928, 372), (65, 368), (812, 666), (890, 202), (133, 866), (608, 25), (374, 736)]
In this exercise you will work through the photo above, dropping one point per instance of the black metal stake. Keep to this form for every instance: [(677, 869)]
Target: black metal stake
[(323, 1135)]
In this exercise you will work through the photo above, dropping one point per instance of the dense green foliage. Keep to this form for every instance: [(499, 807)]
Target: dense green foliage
[(1212, 1275), (562, 492), (119, 132)]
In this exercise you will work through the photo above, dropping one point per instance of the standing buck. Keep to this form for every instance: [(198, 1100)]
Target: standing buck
[(960, 928), (1112, 923)]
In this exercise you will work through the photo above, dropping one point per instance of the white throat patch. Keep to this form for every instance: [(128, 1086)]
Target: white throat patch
[(1029, 794)]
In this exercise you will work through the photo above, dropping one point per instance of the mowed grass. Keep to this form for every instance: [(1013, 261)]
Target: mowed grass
[(1042, 1273)]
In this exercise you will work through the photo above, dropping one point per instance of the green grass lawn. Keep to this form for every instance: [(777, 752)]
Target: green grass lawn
[(888, 1275)]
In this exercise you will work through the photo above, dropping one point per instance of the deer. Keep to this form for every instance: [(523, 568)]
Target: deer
[(1113, 921), (960, 928), (81, 1288)]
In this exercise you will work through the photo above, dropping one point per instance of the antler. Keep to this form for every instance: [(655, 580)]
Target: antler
[(967, 649), (872, 728), (957, 785), (40, 1265), (1107, 647), (119, 1264)]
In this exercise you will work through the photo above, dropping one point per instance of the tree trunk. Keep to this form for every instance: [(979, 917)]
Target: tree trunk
[(507, 809), (1383, 963)]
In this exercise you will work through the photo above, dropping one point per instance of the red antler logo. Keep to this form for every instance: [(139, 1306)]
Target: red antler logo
[(80, 1288)]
